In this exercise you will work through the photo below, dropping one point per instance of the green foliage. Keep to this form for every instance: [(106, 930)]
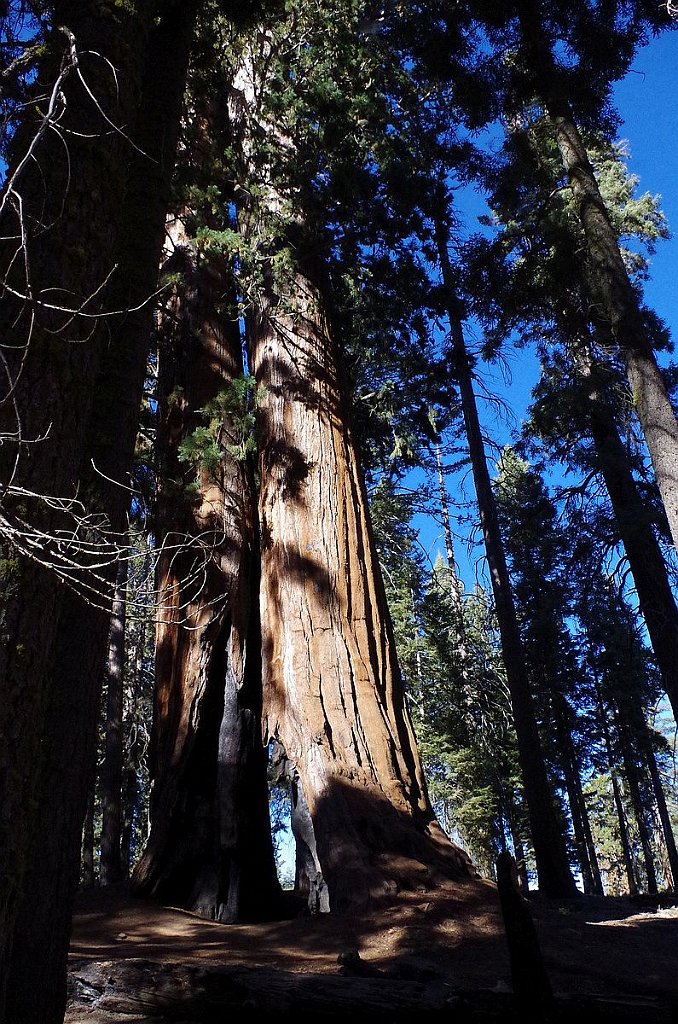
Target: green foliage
[(9, 571), (228, 429), (455, 685)]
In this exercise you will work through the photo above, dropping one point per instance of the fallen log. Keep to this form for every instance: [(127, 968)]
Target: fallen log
[(138, 991), (177, 990)]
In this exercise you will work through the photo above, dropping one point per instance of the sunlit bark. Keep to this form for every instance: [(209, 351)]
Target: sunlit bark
[(333, 694)]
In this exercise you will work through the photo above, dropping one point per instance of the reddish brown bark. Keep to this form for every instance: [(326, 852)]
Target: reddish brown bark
[(210, 846), (333, 694)]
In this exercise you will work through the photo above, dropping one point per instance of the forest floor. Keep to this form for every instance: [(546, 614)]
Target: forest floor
[(131, 961)]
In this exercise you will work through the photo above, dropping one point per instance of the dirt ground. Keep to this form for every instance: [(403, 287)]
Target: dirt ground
[(609, 947)]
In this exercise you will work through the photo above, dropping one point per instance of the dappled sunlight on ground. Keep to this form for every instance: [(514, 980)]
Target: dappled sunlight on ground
[(590, 945)]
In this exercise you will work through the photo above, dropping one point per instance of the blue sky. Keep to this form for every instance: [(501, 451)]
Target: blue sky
[(646, 100)]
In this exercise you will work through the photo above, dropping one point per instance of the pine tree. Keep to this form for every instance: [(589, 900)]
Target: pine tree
[(626, 687), (601, 42), (538, 552), (582, 408)]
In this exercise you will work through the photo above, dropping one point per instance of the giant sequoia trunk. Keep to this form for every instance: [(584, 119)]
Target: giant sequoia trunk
[(333, 695), (59, 226), (210, 847), (611, 290), (74, 667)]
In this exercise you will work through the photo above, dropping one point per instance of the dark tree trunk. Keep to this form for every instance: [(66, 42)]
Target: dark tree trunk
[(210, 847), (618, 799), (111, 771), (629, 752), (664, 818), (37, 986), (611, 290), (529, 977), (455, 591), (588, 861), (555, 877), (646, 561), (87, 867), (50, 361), (510, 815)]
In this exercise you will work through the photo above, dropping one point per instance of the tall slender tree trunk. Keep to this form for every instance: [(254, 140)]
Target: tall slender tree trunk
[(111, 772), (629, 754), (509, 812), (618, 798), (445, 513), (555, 877), (210, 847), (655, 595), (588, 860), (37, 989), (665, 819), (455, 589), (333, 694), (612, 290)]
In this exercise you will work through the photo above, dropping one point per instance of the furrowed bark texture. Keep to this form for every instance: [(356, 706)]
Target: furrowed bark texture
[(66, 771), (333, 695), (69, 199), (210, 847)]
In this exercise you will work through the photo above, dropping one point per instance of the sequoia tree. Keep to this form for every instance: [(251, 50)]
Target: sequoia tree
[(57, 254), (210, 846), (333, 695), (72, 438)]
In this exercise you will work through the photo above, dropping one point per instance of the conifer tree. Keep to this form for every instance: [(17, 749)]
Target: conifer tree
[(582, 410), (574, 94), (626, 685), (333, 696), (538, 552), (210, 846), (65, 350)]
